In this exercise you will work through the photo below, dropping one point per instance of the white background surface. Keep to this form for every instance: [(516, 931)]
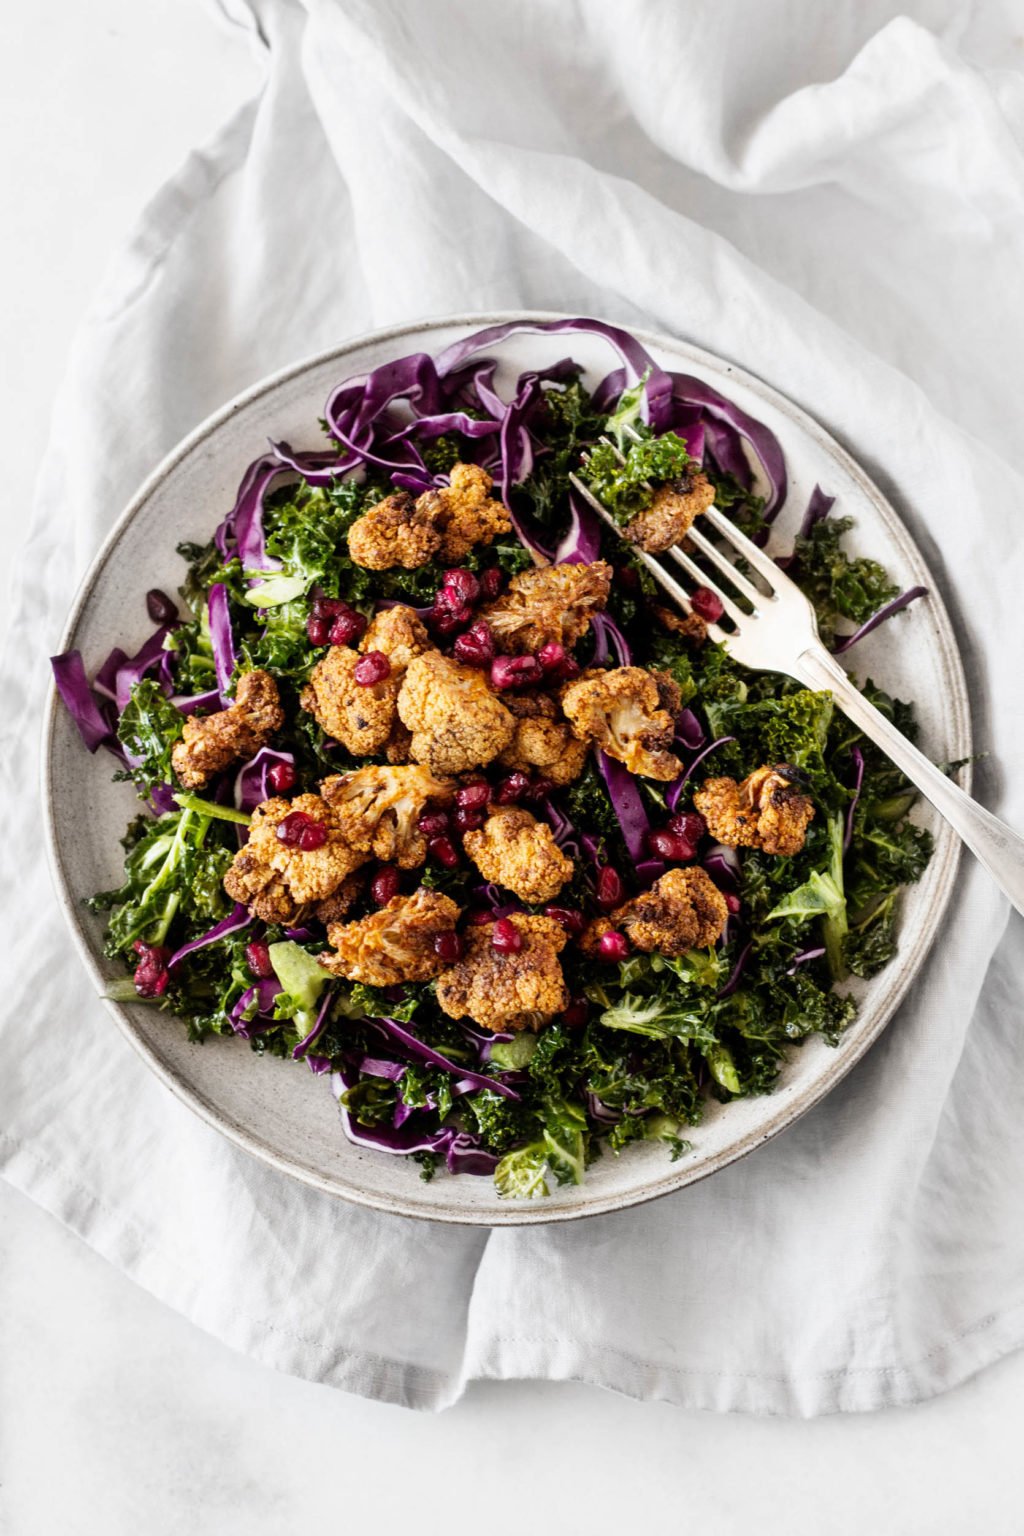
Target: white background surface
[(117, 1416)]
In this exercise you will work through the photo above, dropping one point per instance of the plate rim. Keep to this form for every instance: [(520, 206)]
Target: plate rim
[(948, 845)]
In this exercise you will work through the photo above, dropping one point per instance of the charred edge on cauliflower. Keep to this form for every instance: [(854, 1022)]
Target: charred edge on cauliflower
[(683, 910), (767, 810), (278, 881), (395, 944), (549, 603), (499, 991), (630, 714), (211, 743), (377, 809)]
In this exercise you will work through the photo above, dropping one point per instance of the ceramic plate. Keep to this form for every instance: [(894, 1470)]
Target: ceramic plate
[(278, 1111)]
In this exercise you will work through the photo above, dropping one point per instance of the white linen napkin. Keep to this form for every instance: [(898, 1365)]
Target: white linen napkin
[(835, 199)]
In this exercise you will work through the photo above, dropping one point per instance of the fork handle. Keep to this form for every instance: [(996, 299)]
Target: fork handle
[(993, 843)]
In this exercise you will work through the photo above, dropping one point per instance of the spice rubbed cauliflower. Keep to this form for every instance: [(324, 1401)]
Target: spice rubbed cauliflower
[(630, 714), (543, 740), (210, 743), (508, 991), (363, 716), (517, 851), (395, 531), (277, 880), (671, 513), (683, 910), (394, 944), (689, 626), (456, 721), (767, 810), (548, 603), (377, 810), (464, 513)]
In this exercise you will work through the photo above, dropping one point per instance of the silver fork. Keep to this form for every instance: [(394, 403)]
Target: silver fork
[(780, 634)]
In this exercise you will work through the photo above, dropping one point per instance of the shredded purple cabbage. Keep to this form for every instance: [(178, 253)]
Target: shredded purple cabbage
[(858, 779), (318, 1028), (632, 817), (608, 637), (251, 784), (803, 957), (724, 865), (675, 792), (264, 993), (238, 918), (222, 639), (885, 612), (421, 1052), (737, 970), (94, 726)]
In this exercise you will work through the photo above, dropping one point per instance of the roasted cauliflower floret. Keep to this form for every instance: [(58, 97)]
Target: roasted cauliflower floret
[(543, 740), (768, 810), (456, 721), (508, 991), (517, 851), (277, 880), (399, 634), (683, 910), (395, 531), (394, 944), (210, 743), (377, 810), (551, 602), (689, 626), (361, 718), (671, 513), (630, 714), (464, 513)]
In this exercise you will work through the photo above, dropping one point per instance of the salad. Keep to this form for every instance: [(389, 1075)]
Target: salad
[(444, 801)]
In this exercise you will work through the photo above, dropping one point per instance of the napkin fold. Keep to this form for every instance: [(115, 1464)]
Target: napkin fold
[(836, 201)]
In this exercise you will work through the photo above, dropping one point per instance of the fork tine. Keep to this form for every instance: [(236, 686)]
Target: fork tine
[(714, 554), (763, 564), (734, 611), (661, 576)]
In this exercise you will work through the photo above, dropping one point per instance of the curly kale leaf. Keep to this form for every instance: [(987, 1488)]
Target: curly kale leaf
[(148, 728), (838, 586), (627, 488)]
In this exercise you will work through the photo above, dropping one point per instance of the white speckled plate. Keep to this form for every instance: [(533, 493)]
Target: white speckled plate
[(280, 1112)]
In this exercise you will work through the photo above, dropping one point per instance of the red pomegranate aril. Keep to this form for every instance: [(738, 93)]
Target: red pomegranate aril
[(347, 628), (540, 789), (610, 889), (491, 582), (449, 947), (551, 655), (464, 584), (372, 668), (706, 604), (444, 851), (511, 789), (445, 623), (473, 797), (291, 828), (257, 958), (312, 836), (515, 672), (569, 669), (467, 820), (627, 577), (385, 884), (433, 823), (478, 918), (505, 937), (688, 824), (577, 1013), (567, 918), (733, 902), (317, 631), (151, 974), (161, 608), (281, 777), (669, 845), (613, 945), (476, 647)]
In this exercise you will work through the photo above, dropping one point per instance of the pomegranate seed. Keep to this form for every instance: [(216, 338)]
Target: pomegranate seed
[(551, 655), (733, 902), (476, 647), (161, 608), (688, 824), (505, 937), (385, 884), (444, 852), (291, 828), (473, 797), (323, 607), (577, 1013), (464, 584), (511, 789), (347, 628), (540, 789), (312, 836), (515, 672), (449, 622), (669, 845), (569, 669), (257, 958), (478, 918), (318, 631), (151, 974), (372, 668), (433, 823), (614, 945), (281, 778), (706, 605), (449, 947), (491, 582), (567, 917), (627, 577), (610, 889), (467, 820)]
